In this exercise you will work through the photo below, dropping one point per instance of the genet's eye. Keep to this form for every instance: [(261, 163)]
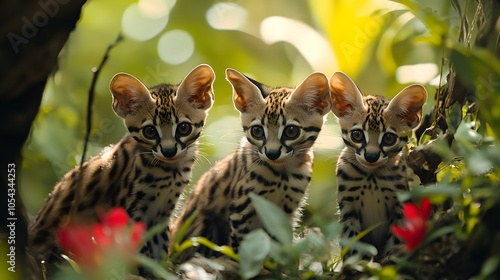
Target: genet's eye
[(357, 135), (292, 132), (150, 132), (184, 129), (257, 131), (389, 139)]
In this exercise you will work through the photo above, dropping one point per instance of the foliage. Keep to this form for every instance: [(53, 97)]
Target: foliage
[(449, 46)]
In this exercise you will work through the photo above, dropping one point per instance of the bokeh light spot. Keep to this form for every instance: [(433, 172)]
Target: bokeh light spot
[(227, 16), (416, 73), (141, 26), (312, 45), (156, 8), (175, 47)]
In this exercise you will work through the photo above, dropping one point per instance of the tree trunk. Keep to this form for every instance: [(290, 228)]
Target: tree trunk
[(32, 34)]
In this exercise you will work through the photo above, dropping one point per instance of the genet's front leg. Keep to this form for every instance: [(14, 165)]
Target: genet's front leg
[(349, 218)]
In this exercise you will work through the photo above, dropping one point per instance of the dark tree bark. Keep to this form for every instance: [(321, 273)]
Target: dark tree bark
[(32, 34)]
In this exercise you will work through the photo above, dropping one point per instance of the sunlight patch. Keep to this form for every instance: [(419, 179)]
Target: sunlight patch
[(175, 47), (313, 47), (140, 25), (156, 8), (416, 73), (227, 16)]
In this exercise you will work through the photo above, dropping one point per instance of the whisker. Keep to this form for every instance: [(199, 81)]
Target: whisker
[(200, 156)]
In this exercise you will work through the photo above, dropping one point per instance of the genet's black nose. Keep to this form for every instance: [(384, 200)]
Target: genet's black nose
[(273, 154), (371, 158), (169, 152)]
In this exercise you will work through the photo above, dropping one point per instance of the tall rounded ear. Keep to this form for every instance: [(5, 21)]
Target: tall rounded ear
[(346, 96), (313, 94), (197, 87), (128, 94), (408, 103), (246, 95)]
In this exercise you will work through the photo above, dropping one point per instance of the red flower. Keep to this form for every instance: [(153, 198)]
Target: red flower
[(89, 245), (415, 224), (75, 238)]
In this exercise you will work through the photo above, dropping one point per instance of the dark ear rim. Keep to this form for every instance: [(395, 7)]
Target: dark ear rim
[(246, 95), (124, 98), (200, 94), (346, 96), (314, 93)]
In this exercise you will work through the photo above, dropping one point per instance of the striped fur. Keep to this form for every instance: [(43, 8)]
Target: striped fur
[(145, 172), (273, 160), (371, 169)]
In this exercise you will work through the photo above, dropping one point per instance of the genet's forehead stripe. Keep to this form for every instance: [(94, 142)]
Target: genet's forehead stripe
[(275, 101), (375, 107), (164, 97)]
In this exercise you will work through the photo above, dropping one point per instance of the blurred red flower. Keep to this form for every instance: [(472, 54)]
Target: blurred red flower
[(88, 245), (415, 223)]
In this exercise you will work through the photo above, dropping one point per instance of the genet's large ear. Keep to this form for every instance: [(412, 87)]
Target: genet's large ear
[(128, 94), (314, 94), (346, 96), (197, 88), (408, 104), (246, 95)]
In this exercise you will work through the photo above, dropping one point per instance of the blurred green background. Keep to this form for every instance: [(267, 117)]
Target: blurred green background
[(379, 44)]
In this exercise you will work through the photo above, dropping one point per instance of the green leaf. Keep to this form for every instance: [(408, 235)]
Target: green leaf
[(478, 163), (273, 219), (161, 227), (155, 267), (490, 267), (253, 251), (437, 193), (310, 241), (434, 24), (360, 246), (73, 264), (182, 231), (388, 272), (426, 136), (450, 172), (332, 230), (197, 241), (440, 232), (463, 66), (63, 272), (466, 134), (282, 254), (454, 117)]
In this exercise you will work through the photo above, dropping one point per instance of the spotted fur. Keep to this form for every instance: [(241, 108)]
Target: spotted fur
[(273, 160), (371, 169), (145, 172)]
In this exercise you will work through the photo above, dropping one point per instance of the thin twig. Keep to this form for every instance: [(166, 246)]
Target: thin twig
[(478, 9), (438, 92), (463, 20), (92, 94), (89, 122)]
